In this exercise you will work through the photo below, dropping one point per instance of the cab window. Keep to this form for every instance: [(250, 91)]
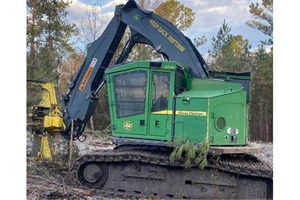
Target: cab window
[(161, 83), (179, 81), (130, 93)]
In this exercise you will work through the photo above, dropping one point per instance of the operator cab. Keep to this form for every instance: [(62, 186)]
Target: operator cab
[(140, 97)]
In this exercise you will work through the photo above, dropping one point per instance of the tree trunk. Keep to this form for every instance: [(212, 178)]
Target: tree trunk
[(267, 125), (92, 124)]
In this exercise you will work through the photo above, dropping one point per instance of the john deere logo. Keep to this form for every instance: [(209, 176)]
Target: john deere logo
[(127, 125), (136, 17)]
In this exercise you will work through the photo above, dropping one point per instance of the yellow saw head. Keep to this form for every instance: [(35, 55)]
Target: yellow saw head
[(46, 118)]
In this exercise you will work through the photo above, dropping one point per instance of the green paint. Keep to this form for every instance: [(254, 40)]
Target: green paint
[(218, 99), (136, 17)]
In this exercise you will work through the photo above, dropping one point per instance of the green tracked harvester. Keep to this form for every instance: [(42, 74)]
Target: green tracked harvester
[(153, 105)]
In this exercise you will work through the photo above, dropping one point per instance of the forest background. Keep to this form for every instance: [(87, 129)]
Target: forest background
[(55, 51)]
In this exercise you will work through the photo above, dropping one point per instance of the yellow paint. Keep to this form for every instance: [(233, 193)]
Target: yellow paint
[(52, 122), (191, 113), (167, 35), (127, 125), (181, 112), (45, 152), (48, 95), (163, 112)]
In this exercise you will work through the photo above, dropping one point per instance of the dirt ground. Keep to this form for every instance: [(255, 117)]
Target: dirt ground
[(49, 179)]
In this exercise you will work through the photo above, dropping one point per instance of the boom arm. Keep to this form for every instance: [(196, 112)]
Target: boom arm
[(146, 27)]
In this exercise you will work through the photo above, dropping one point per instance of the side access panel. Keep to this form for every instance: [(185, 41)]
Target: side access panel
[(228, 119), (191, 119)]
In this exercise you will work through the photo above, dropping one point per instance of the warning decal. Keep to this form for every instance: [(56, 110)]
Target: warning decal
[(87, 74)]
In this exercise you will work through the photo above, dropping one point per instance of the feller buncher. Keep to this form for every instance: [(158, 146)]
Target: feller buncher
[(45, 120), (154, 104)]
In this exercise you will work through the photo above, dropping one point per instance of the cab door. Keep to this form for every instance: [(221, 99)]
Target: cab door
[(161, 105), (129, 109)]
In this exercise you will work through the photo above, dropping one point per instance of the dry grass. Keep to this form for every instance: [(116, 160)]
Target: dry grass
[(47, 180)]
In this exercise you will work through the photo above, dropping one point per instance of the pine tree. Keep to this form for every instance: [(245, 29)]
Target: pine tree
[(261, 124), (262, 19), (230, 52), (48, 36)]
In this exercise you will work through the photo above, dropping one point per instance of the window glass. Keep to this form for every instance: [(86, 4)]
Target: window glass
[(161, 82), (179, 81), (130, 93)]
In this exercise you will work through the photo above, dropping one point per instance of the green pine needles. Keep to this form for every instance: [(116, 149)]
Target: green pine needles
[(190, 154)]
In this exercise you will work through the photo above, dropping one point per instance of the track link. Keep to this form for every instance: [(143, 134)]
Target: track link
[(135, 171)]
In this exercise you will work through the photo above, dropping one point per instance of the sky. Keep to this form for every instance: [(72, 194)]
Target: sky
[(209, 16)]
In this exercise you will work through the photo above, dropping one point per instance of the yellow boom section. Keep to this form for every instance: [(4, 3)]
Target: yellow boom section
[(48, 96)]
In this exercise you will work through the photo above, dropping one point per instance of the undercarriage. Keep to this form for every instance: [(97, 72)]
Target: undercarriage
[(136, 171)]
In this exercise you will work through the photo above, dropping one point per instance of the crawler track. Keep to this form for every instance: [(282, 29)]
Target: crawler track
[(135, 171)]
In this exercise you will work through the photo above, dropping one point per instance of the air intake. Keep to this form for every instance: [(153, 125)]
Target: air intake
[(155, 64)]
